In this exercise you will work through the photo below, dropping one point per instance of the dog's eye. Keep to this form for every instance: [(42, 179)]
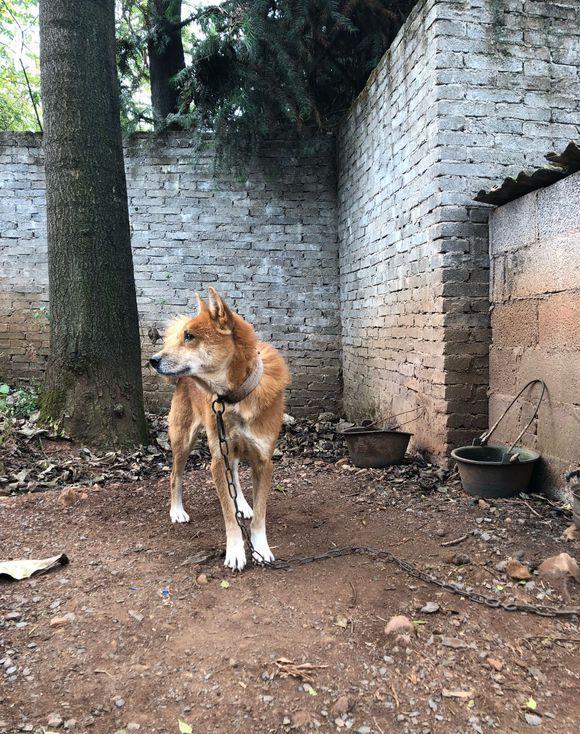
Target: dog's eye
[(188, 336)]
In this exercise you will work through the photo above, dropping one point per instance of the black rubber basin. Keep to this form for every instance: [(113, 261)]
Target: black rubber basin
[(483, 474)]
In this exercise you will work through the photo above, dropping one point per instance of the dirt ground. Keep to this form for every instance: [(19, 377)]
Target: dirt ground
[(145, 644)]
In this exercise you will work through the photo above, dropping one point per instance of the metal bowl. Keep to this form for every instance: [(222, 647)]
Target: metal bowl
[(376, 448), (484, 475)]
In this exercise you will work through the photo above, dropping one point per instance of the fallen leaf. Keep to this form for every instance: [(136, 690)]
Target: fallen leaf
[(517, 571), (531, 704), (24, 568), (225, 584), (185, 728), (454, 642), (341, 622), (312, 691)]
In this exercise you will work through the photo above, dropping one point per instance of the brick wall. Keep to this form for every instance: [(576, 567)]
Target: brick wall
[(470, 92), (535, 296), (267, 242)]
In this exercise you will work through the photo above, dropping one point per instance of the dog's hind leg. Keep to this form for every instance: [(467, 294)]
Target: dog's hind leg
[(262, 479), (243, 505), (182, 442)]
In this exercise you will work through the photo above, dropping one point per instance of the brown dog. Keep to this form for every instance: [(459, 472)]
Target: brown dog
[(218, 353)]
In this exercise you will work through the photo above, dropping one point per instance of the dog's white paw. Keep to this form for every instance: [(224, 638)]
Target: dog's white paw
[(235, 554), (245, 508), (178, 514), (261, 552)]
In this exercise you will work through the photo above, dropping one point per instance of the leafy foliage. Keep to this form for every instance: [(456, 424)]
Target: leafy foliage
[(132, 63), (19, 68), (15, 403), (263, 65), (255, 67)]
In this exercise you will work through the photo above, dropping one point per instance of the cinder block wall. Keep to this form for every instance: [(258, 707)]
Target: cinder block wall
[(535, 297), (470, 92), (267, 242)]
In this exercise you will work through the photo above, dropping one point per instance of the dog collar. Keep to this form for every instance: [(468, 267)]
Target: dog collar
[(248, 385)]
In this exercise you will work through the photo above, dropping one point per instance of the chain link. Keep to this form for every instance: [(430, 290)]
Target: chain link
[(218, 407)]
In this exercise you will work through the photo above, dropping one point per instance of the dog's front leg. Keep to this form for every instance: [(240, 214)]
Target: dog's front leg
[(262, 479), (235, 550)]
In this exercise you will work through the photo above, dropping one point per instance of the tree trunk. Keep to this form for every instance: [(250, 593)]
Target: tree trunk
[(166, 58), (93, 380)]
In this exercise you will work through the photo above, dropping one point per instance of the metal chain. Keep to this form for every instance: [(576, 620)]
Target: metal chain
[(218, 407), (281, 564)]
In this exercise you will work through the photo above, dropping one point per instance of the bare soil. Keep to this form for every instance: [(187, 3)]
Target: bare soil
[(147, 645)]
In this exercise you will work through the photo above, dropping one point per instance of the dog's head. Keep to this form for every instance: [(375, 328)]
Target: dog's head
[(205, 345)]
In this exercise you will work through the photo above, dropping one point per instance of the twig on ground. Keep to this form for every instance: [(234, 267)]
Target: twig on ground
[(354, 595), (455, 541), (397, 704)]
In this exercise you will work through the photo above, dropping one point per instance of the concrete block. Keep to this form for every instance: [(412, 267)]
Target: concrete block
[(559, 321), (514, 225), (515, 324)]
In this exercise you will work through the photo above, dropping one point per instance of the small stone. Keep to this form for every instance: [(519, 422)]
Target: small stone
[(133, 726), (533, 719), (560, 566), (495, 664), (70, 723), (399, 625), (54, 720), (517, 571), (119, 702), (430, 608), (12, 616), (62, 621), (201, 579), (363, 730), (136, 615), (342, 705)]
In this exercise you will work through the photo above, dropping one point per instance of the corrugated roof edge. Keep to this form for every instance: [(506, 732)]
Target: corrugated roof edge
[(560, 165)]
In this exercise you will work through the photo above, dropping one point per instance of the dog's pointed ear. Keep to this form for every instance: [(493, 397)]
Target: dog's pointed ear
[(220, 312), (201, 304)]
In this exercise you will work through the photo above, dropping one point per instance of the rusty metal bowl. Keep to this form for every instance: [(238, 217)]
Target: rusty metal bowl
[(484, 473), (374, 447)]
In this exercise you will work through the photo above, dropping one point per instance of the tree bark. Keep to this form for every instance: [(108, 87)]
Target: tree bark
[(166, 58), (93, 380)]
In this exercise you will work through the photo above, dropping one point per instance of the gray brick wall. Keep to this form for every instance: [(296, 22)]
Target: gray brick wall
[(267, 242), (535, 298), (470, 92)]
